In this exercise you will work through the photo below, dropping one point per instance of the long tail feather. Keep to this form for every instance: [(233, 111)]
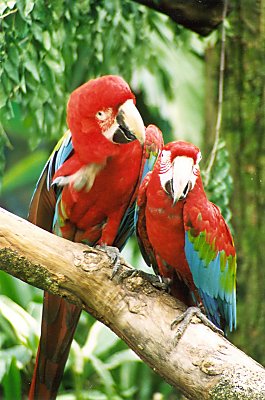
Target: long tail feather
[(59, 321)]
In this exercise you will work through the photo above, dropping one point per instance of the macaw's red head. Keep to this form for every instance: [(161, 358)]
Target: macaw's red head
[(178, 168), (102, 115)]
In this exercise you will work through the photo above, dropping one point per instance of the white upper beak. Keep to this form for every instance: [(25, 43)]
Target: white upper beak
[(132, 120), (182, 177)]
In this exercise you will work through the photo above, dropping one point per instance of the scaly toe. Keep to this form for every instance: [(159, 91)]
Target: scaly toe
[(114, 255)]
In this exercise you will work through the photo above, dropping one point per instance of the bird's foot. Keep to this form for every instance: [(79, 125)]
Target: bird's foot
[(155, 280), (114, 254), (159, 282), (185, 319), (130, 272)]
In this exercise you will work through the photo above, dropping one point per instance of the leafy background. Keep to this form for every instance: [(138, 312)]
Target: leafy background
[(49, 48)]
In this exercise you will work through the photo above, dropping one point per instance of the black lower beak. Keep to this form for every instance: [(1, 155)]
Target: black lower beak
[(123, 135), (186, 190), (169, 188)]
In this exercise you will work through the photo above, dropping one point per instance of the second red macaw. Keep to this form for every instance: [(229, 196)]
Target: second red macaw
[(184, 237), (87, 193)]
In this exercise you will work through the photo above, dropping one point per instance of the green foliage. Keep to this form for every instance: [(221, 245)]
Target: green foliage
[(12, 381), (49, 49), (100, 365), (220, 184), (54, 48), (25, 171), (18, 341)]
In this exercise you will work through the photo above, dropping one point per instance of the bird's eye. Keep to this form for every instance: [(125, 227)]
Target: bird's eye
[(101, 115), (165, 155)]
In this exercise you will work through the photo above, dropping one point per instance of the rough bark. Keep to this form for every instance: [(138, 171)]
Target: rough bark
[(243, 128), (203, 365), (199, 16)]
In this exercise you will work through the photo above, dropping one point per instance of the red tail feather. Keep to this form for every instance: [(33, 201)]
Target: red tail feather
[(59, 321)]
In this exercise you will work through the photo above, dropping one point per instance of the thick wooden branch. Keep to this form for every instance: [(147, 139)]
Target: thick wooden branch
[(203, 365), (199, 16)]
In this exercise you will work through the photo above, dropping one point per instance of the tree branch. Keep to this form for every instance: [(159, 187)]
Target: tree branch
[(203, 365), (199, 16)]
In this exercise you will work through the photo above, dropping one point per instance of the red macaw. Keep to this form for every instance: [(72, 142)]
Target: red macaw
[(87, 193), (184, 237)]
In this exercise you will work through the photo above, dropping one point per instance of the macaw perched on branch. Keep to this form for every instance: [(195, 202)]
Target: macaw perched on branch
[(184, 237), (87, 193)]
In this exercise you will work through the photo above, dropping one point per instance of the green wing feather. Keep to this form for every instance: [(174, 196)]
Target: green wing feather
[(210, 253)]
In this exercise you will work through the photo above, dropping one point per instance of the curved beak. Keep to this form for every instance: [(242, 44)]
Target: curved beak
[(181, 179), (130, 124)]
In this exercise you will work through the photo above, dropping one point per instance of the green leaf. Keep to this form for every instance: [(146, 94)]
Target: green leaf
[(8, 335), (3, 7), (121, 357), (104, 374), (128, 393), (3, 97), (100, 339), (23, 84), (84, 395), (96, 395), (43, 94), (12, 71), (21, 27), (13, 55), (3, 369), (29, 5), (40, 117), (7, 4), (12, 383), (31, 66), (23, 324), (47, 77), (7, 84), (24, 172), (58, 10), (21, 353), (37, 31), (76, 358), (16, 290), (56, 66), (46, 40)]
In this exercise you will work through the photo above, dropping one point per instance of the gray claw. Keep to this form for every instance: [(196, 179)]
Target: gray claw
[(185, 318), (126, 274), (114, 254), (155, 280)]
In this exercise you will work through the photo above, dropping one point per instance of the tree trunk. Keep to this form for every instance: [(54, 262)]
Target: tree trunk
[(243, 129), (203, 364)]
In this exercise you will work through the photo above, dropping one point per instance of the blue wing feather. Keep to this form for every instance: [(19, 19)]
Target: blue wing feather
[(126, 228), (60, 154), (45, 198), (211, 281), (148, 167), (129, 221), (152, 147)]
